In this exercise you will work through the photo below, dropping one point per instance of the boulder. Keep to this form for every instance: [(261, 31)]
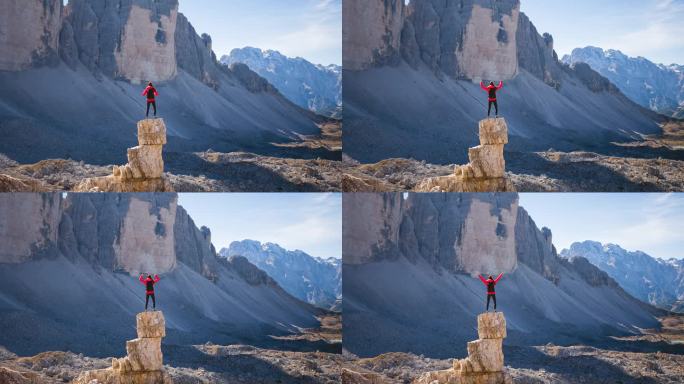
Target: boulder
[(144, 171), (486, 355), (486, 171), (151, 324), (145, 354), (491, 325)]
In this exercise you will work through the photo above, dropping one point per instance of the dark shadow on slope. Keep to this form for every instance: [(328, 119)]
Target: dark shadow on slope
[(231, 367), (572, 368), (236, 177), (581, 175)]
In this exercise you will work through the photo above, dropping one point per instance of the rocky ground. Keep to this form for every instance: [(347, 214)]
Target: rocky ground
[(634, 360), (538, 172), (200, 364), (652, 164)]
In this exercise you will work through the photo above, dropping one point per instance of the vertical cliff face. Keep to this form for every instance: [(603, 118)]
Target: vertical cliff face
[(536, 54), (29, 225), (472, 39), (450, 231), (128, 39), (29, 32), (371, 227), (371, 32)]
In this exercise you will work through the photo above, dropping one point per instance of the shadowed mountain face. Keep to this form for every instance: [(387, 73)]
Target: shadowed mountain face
[(69, 271), (655, 281), (78, 94), (410, 267), (312, 86), (655, 86), (411, 84), (311, 279)]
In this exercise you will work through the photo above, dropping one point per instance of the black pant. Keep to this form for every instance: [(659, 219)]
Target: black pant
[(154, 303), (493, 297), (154, 104), (489, 110)]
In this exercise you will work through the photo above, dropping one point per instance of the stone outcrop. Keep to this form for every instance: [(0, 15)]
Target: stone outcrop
[(144, 361), (371, 32), (486, 171), (145, 169), (485, 361), (29, 32)]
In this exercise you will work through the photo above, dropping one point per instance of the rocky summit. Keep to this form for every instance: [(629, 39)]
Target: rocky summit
[(144, 362), (485, 361), (486, 171), (145, 169)]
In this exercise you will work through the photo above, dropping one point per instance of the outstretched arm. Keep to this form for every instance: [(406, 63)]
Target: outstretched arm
[(500, 85), (482, 86), (482, 279), (142, 280), (156, 279), (498, 278), (144, 92), (155, 92)]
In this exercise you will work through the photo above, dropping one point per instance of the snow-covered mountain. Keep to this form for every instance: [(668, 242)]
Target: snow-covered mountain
[(656, 86), (410, 269), (69, 271), (312, 279), (312, 86), (656, 281)]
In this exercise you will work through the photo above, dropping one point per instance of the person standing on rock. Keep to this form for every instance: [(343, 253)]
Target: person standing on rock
[(490, 282), (491, 90), (149, 283), (151, 93)]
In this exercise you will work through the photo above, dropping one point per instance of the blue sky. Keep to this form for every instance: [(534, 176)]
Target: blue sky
[(648, 28), (311, 29), (311, 222), (636, 221)]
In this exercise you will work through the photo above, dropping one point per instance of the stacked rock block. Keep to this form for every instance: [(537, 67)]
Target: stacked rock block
[(485, 361), (144, 361), (486, 171), (145, 169)]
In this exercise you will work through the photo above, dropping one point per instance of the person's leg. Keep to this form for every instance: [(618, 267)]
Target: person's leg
[(154, 104), (496, 108), (147, 114), (154, 302), (488, 296), (489, 109), (147, 300), (494, 298)]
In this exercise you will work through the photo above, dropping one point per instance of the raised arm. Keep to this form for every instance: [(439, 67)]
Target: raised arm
[(142, 280), (498, 278), (482, 86), (155, 92), (144, 92), (156, 279), (500, 85), (482, 279)]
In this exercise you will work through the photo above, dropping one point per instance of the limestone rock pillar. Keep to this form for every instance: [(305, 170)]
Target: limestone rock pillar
[(486, 171)]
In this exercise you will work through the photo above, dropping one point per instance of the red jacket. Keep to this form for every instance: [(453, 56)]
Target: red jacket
[(150, 95), (491, 90), (149, 283), (490, 283)]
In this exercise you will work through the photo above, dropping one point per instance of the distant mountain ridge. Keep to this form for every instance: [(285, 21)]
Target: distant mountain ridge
[(658, 87), (655, 281), (312, 86), (312, 279)]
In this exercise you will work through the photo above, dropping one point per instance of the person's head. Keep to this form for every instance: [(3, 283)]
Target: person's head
[(491, 277), (490, 83), (150, 84), (149, 276)]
